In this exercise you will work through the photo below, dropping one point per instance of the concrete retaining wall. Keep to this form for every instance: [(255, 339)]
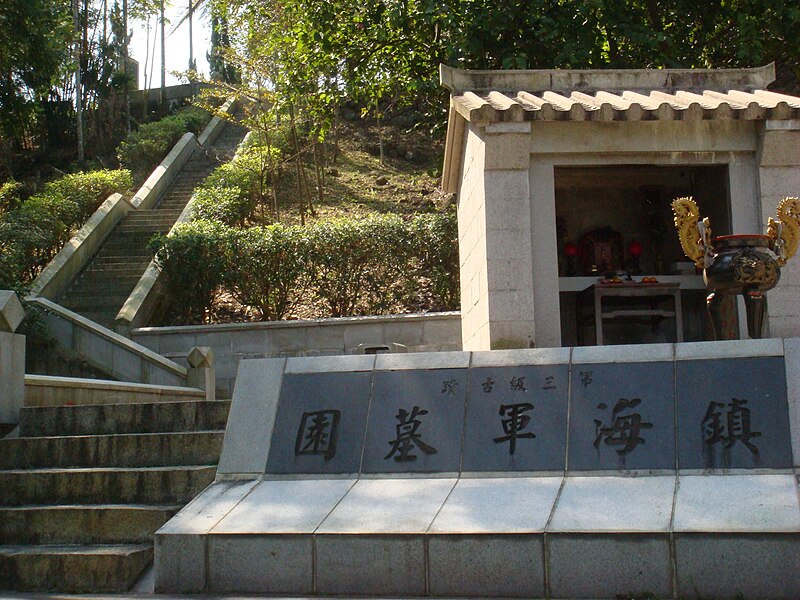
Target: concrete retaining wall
[(163, 175), (321, 337), (217, 123)]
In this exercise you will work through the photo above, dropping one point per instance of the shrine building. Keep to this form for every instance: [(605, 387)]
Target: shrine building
[(563, 177)]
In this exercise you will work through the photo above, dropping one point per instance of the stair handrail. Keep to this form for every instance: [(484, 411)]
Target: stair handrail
[(79, 251), (144, 299), (154, 368), (165, 173)]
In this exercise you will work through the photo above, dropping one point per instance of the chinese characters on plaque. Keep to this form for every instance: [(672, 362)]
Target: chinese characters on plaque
[(621, 416)]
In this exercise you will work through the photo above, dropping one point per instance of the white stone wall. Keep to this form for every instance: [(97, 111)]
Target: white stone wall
[(779, 176), (495, 238), (472, 244), (510, 261)]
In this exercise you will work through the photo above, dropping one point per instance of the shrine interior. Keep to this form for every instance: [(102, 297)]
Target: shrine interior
[(618, 219)]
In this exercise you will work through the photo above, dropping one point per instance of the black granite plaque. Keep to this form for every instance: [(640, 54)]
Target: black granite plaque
[(415, 422), (622, 416), (320, 423), (516, 418), (733, 413)]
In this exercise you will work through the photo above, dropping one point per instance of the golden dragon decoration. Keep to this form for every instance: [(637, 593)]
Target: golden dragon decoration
[(695, 233), (785, 231)]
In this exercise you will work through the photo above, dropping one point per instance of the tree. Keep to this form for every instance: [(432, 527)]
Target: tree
[(34, 54)]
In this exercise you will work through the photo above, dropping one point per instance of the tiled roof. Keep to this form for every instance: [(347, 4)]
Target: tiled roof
[(632, 95)]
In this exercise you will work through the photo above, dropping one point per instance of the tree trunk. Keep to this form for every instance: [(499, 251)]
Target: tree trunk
[(191, 47), (125, 51), (162, 95), (78, 98), (298, 166), (318, 172), (380, 131)]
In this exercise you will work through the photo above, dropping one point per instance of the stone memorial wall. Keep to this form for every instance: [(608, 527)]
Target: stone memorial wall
[(498, 473)]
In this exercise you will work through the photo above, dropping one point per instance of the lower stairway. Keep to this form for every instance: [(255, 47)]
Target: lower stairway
[(84, 488)]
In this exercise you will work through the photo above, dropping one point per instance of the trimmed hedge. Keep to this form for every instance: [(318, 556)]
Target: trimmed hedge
[(146, 147), (33, 232), (344, 267), (232, 191)]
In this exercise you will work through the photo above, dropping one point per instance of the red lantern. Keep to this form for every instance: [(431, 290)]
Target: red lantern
[(635, 249), (571, 249)]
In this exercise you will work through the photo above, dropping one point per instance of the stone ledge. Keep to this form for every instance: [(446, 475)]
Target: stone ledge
[(44, 390), (330, 322), (164, 173)]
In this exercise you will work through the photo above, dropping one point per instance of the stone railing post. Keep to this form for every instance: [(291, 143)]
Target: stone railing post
[(12, 361), (201, 373)]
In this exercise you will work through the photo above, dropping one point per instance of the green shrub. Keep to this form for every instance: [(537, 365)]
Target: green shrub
[(9, 195), (435, 243), (227, 205), (80, 194), (268, 268), (344, 267), (194, 261), (249, 175), (146, 147), (356, 264), (35, 230)]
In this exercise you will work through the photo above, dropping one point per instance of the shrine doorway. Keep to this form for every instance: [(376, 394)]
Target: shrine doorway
[(616, 220)]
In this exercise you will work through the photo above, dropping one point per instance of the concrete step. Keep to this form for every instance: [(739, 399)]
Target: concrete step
[(132, 228), (144, 229), (134, 257), (116, 252), (83, 524), (116, 450), (100, 300), (150, 220), (151, 213), (143, 485), (99, 278), (176, 201), (75, 569), (151, 417), (156, 216), (135, 236), (120, 270), (186, 187)]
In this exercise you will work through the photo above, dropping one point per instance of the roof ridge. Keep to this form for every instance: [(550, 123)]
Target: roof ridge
[(538, 80)]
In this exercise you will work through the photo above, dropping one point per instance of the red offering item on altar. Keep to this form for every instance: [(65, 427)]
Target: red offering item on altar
[(635, 249)]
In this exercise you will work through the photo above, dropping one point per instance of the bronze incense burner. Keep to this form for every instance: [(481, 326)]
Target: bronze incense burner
[(749, 265)]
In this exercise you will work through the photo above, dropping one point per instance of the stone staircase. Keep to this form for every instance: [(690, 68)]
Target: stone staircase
[(84, 488), (104, 286)]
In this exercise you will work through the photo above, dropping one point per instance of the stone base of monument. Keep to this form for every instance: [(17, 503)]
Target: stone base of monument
[(666, 470)]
